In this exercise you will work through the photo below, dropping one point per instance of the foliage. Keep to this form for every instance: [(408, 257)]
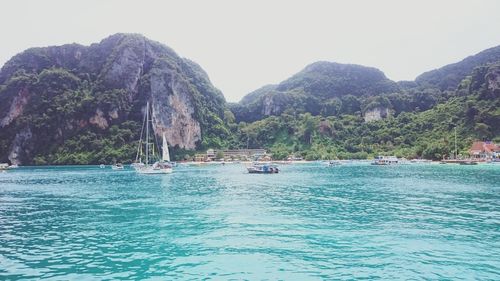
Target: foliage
[(77, 114), (321, 88), (411, 133), (80, 107), (450, 76)]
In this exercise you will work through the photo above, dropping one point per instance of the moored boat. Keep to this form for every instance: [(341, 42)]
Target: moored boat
[(468, 163), (459, 161), (258, 168), (420, 161), (334, 163), (136, 164), (152, 164), (385, 160), (117, 166)]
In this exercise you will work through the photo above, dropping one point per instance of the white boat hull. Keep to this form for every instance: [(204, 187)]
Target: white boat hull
[(160, 167), (263, 169), (151, 171)]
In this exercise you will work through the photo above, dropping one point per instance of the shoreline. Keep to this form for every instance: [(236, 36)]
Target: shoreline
[(282, 162)]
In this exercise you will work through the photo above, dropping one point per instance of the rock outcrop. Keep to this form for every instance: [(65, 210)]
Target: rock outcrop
[(16, 107), (173, 107), (21, 147), (377, 113), (493, 80)]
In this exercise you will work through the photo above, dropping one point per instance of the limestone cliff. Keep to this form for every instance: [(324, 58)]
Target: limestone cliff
[(78, 98), (493, 80), (375, 114)]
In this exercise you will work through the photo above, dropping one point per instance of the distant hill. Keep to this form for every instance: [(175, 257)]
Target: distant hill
[(473, 109), (448, 77), (257, 94), (327, 88), (314, 89), (331, 110), (328, 80)]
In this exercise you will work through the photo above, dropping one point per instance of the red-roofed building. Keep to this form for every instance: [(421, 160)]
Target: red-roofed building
[(484, 150)]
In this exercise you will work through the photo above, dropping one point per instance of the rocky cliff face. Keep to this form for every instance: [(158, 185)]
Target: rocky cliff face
[(493, 80), (52, 98), (376, 114), (173, 107), (16, 107)]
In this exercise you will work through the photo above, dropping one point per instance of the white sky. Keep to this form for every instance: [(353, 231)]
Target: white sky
[(244, 45)]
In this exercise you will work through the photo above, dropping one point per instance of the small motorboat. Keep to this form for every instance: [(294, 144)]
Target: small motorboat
[(334, 163), (258, 168), (102, 166), (468, 163), (385, 160), (156, 168), (137, 165), (117, 166)]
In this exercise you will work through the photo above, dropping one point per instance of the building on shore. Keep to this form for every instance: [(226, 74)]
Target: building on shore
[(200, 157), (237, 154), (484, 151)]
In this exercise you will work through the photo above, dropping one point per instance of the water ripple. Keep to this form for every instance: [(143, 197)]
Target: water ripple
[(309, 222)]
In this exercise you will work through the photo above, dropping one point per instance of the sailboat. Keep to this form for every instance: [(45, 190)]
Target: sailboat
[(152, 165)]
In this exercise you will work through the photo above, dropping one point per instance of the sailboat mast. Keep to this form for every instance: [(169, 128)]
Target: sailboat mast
[(166, 154), (456, 143), (138, 156), (147, 133)]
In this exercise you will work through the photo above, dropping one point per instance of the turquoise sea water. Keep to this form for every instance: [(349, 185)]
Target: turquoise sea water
[(310, 222)]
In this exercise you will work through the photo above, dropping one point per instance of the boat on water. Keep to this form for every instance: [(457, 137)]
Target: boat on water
[(420, 161), (136, 164), (117, 166), (459, 161), (13, 166), (152, 163), (467, 162), (334, 163), (259, 168), (102, 166), (4, 166), (385, 160)]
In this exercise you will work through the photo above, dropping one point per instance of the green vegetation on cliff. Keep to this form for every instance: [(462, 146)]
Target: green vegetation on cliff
[(449, 76), (422, 123), (321, 88), (75, 104)]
